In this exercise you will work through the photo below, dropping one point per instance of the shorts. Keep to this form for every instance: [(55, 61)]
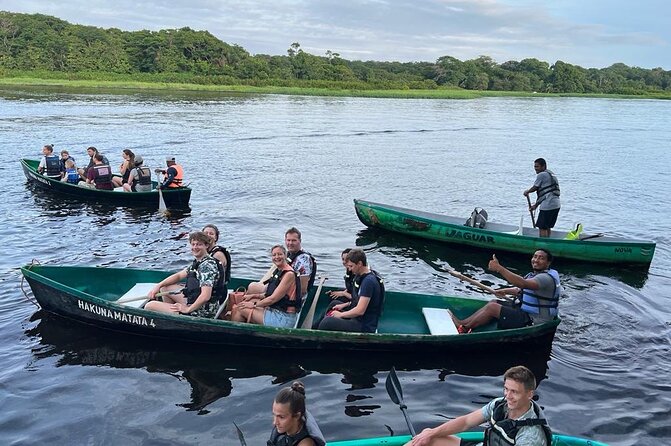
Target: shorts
[(276, 318), (547, 219), (512, 316)]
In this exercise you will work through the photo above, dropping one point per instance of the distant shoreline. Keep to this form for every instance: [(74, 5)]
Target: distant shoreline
[(125, 85)]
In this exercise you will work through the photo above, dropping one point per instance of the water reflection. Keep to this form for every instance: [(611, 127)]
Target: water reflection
[(54, 205), (210, 370), (473, 261)]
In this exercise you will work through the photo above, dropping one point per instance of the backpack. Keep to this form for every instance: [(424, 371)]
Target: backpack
[(478, 219)]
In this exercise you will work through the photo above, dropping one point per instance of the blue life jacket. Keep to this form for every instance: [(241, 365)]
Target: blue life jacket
[(543, 306), (72, 176)]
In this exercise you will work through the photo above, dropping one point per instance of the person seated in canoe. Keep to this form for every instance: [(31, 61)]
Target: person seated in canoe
[(275, 303), (91, 151), (340, 296), (536, 296), (139, 177), (513, 419), (173, 176), (100, 175), (125, 168), (546, 187), (363, 312), (70, 175), (222, 256), (65, 155), (301, 261), (201, 277), (293, 425), (50, 164)]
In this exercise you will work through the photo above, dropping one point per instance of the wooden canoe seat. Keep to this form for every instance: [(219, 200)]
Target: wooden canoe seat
[(139, 289), (439, 321)]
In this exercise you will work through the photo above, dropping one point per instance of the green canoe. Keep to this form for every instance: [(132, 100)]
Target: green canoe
[(502, 237), (557, 440), (90, 295), (175, 198)]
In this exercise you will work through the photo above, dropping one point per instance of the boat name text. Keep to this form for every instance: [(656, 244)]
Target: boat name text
[(115, 315), (39, 178), (453, 233), (623, 250)]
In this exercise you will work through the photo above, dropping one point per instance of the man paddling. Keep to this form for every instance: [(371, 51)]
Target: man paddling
[(173, 175), (546, 187), (513, 419), (537, 297)]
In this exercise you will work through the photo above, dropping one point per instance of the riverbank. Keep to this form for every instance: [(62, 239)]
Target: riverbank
[(96, 86)]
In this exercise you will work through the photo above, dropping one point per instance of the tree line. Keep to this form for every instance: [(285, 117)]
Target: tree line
[(54, 47)]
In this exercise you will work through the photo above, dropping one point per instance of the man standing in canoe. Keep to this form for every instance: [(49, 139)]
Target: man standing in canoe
[(536, 297), (546, 187), (514, 419)]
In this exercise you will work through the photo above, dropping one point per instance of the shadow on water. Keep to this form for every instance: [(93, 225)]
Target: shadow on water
[(473, 261), (68, 206), (210, 373)]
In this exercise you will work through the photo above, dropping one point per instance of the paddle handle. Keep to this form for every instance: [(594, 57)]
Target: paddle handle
[(471, 280), (136, 298), (411, 428), (533, 217), (307, 323)]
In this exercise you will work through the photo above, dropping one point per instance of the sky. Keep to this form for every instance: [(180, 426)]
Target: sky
[(589, 33)]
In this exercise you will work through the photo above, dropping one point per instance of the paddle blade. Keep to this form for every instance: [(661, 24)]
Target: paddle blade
[(161, 202), (241, 436), (394, 387)]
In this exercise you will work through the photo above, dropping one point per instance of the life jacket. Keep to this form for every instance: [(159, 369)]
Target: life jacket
[(291, 302), (52, 166), (534, 303), (502, 430), (179, 177), (143, 177), (192, 289), (313, 274), (478, 219), (103, 177), (71, 176), (355, 300), (310, 429), (62, 163), (552, 188), (220, 290), (349, 281)]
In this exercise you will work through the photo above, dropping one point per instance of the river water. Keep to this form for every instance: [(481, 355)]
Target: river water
[(260, 164)]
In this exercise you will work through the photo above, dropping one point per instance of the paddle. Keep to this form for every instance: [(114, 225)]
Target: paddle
[(136, 298), (396, 394), (480, 285), (162, 208), (307, 322), (241, 436), (533, 218)]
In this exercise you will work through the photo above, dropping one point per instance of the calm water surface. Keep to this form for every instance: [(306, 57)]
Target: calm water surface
[(260, 164)]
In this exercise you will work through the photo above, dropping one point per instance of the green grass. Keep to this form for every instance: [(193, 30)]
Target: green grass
[(440, 93)]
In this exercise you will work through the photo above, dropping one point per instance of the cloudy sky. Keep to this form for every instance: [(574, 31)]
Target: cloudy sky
[(589, 33)]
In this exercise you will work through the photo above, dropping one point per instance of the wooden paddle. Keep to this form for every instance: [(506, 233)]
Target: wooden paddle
[(307, 322), (533, 217), (396, 394), (480, 285)]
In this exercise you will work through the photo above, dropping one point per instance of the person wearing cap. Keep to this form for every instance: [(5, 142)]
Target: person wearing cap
[(173, 175), (139, 178)]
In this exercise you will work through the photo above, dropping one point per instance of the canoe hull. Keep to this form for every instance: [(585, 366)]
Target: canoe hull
[(557, 440), (174, 198), (84, 303), (451, 230)]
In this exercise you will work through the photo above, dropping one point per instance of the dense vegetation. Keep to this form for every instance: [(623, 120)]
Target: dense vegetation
[(47, 47)]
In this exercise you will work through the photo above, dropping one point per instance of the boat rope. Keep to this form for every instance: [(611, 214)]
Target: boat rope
[(23, 290)]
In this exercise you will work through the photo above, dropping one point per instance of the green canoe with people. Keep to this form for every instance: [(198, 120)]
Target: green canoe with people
[(498, 237), (557, 440), (173, 198), (410, 322)]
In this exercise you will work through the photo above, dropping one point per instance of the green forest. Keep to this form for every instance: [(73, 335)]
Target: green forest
[(46, 47)]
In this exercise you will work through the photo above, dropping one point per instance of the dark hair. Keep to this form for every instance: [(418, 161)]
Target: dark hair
[(130, 154), (294, 396), (64, 151), (284, 250), (522, 375), (357, 255), (547, 253), (199, 237), (93, 148), (98, 156), (216, 230), (345, 251), (293, 230), (541, 161), (49, 147)]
